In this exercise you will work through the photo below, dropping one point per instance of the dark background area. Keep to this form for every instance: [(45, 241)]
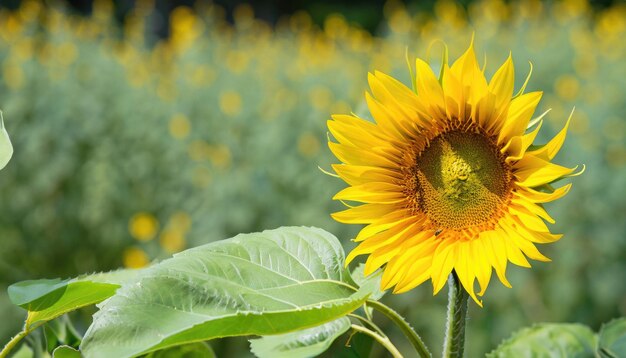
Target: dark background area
[(367, 14)]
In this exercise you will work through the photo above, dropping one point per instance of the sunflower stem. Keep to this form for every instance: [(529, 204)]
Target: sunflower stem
[(458, 298), (404, 326)]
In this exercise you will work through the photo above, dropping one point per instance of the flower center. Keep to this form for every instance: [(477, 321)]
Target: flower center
[(462, 180)]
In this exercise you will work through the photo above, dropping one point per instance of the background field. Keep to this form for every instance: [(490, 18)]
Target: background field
[(137, 137)]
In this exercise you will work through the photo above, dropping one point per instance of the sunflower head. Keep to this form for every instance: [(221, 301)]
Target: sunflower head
[(448, 176)]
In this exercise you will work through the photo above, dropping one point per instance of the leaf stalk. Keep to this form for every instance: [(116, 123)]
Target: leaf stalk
[(384, 341), (404, 326), (12, 343)]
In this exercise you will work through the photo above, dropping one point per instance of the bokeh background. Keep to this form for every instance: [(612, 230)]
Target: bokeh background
[(143, 128)]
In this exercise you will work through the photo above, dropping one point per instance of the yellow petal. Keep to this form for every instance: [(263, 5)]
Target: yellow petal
[(532, 171), (541, 197), (376, 192), (527, 247), (496, 253), (390, 220), (358, 156), (520, 201), (482, 264), (501, 84), (484, 111), (388, 237), (513, 253), (529, 138), (443, 262), (529, 219), (527, 233), (453, 93), (513, 149), (548, 151), (416, 274), (358, 174), (429, 89), (420, 247), (472, 79), (403, 112), (519, 114), (363, 214), (383, 254), (386, 119), (399, 91), (348, 133), (464, 271)]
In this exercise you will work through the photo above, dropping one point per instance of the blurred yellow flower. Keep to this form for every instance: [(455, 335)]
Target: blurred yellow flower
[(13, 75), (143, 226), (179, 126), (567, 87), (220, 156), (67, 53), (321, 97), (237, 61), (201, 177), (448, 176), (134, 257), (172, 241), (308, 145), (180, 221), (230, 103)]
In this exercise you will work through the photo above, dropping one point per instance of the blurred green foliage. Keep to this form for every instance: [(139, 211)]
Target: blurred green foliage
[(126, 153)]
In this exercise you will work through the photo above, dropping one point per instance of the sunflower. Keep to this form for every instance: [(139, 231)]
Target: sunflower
[(448, 176)]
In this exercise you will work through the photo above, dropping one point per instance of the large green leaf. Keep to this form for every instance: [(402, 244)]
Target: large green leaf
[(6, 149), (194, 350), (50, 298), (549, 340), (309, 342), (612, 339), (264, 283)]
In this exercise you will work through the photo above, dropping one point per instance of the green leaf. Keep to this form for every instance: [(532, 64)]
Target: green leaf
[(31, 294), (370, 283), (65, 352), (59, 332), (309, 342), (194, 350), (50, 298), (264, 283), (6, 149), (550, 340), (612, 339)]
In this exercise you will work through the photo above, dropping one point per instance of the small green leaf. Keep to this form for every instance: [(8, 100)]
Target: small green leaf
[(65, 352), (59, 332), (49, 298), (75, 295), (35, 294), (549, 340), (6, 149), (370, 283), (194, 350), (612, 339), (266, 283), (309, 342)]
